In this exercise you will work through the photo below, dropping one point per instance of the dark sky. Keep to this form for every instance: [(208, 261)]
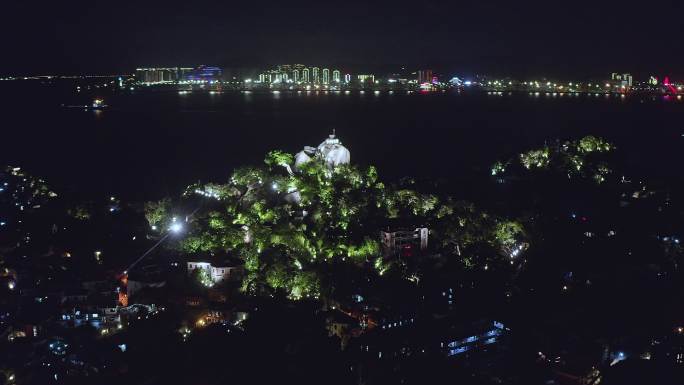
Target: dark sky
[(574, 38)]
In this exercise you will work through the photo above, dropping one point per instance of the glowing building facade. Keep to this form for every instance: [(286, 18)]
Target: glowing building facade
[(424, 76), (204, 74), (155, 75), (298, 74), (366, 78), (217, 273)]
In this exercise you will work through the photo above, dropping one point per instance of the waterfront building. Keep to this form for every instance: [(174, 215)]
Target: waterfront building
[(336, 76), (621, 79), (155, 75), (295, 72), (315, 75), (326, 76), (424, 76), (204, 74), (285, 68), (364, 78), (305, 75), (347, 78)]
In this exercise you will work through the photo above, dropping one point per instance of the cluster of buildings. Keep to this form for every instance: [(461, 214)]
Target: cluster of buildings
[(174, 75), (285, 76), (301, 74), (617, 83), (305, 77)]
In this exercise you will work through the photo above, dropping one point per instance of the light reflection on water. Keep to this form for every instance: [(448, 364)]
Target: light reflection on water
[(249, 96)]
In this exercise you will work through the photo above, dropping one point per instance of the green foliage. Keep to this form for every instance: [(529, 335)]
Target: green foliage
[(279, 159), (508, 233), (364, 251), (289, 245), (80, 212), (593, 144), (578, 158), (202, 277), (278, 276), (536, 158), (499, 168), (157, 213), (304, 284)]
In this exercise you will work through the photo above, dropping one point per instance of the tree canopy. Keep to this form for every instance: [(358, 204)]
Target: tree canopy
[(289, 227)]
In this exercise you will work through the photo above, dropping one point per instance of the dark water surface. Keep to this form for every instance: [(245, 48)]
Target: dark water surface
[(150, 144)]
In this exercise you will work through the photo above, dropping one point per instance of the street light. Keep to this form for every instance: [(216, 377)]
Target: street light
[(176, 227)]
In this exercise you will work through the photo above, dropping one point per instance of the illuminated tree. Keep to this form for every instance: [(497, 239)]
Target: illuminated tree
[(157, 213), (291, 227), (202, 277), (508, 235), (80, 212), (578, 158)]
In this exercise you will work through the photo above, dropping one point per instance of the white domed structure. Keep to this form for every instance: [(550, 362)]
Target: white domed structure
[(332, 152), (303, 157)]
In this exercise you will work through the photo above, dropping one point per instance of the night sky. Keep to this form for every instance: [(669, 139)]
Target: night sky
[(569, 38)]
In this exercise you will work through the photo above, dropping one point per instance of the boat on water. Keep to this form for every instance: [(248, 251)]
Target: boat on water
[(98, 104)]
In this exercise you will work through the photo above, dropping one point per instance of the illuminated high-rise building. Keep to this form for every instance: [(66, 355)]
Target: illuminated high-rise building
[(266, 77), (326, 76), (347, 78), (204, 74), (364, 78), (183, 72), (336, 76), (424, 76), (315, 75), (624, 79), (157, 75), (305, 75), (296, 71)]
